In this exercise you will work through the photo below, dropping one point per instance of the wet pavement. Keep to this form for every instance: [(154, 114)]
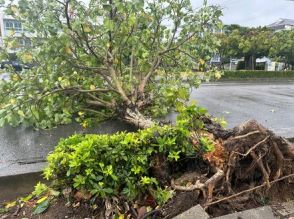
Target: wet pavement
[(270, 104)]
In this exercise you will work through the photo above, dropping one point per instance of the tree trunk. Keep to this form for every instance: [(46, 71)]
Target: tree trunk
[(135, 117), (250, 62)]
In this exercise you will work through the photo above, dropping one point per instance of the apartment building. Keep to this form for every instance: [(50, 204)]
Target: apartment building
[(9, 26)]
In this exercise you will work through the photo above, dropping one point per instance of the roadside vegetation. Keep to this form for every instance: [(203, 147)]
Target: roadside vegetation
[(251, 75), (252, 43)]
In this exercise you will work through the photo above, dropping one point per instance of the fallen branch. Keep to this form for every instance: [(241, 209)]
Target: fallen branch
[(249, 190)]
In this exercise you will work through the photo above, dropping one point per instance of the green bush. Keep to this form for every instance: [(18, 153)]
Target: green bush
[(119, 164), (256, 74)]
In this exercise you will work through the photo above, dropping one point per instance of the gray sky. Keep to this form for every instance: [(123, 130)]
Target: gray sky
[(252, 12)]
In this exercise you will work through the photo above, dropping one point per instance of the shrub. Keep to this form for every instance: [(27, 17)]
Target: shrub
[(119, 164), (256, 74)]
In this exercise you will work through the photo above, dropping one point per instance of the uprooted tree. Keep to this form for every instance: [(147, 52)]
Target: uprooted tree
[(171, 168), (105, 59), (133, 60)]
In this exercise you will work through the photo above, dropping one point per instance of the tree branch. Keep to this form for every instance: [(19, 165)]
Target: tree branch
[(99, 102), (155, 65), (118, 84), (96, 91), (96, 103)]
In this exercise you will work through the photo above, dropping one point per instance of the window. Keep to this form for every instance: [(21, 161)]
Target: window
[(24, 42), (17, 26), (13, 25), (8, 25)]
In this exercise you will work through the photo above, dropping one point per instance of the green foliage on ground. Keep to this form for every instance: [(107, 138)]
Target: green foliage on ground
[(120, 164), (257, 74)]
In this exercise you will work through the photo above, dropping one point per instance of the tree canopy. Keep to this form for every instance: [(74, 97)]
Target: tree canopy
[(107, 58), (282, 48), (250, 43)]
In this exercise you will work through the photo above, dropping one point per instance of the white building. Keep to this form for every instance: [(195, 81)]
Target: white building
[(9, 26), (282, 24)]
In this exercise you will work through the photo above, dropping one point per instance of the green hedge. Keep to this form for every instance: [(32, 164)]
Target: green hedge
[(120, 164), (256, 74)]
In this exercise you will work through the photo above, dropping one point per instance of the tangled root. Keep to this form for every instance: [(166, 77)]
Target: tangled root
[(253, 158)]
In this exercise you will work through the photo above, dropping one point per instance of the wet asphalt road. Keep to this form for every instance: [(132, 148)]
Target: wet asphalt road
[(270, 104)]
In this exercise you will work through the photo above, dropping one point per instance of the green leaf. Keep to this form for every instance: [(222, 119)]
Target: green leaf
[(40, 188), (27, 198), (108, 190), (107, 7), (42, 199), (54, 192), (42, 207)]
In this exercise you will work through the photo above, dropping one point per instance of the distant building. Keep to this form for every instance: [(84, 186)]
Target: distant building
[(282, 24), (10, 26)]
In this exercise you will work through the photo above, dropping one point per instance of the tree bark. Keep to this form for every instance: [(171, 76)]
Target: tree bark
[(134, 117), (250, 62)]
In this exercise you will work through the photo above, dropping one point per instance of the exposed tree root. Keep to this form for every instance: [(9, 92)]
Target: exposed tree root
[(248, 190), (246, 159)]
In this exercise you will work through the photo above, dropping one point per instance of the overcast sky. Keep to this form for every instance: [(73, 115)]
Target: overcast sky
[(252, 12)]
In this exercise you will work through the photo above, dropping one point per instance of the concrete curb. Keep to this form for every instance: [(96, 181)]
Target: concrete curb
[(277, 211), (20, 169), (256, 213), (12, 187)]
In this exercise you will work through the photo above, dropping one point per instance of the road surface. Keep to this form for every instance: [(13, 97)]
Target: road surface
[(270, 104)]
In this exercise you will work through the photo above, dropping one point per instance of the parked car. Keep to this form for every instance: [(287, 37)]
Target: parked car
[(17, 65)]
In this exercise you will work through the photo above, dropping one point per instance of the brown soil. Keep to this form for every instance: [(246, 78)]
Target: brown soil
[(58, 210)]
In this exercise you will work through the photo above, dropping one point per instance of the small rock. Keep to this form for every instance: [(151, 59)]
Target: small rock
[(193, 213)]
